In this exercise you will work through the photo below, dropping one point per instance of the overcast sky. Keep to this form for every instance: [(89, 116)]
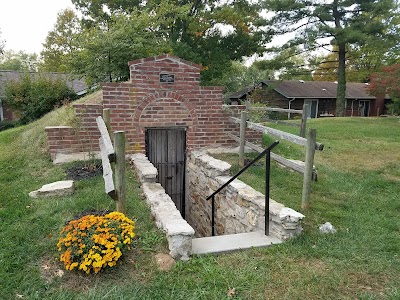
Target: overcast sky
[(24, 24)]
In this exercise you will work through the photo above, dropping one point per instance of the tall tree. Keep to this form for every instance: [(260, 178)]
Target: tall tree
[(105, 51), (321, 23), (61, 43), (211, 33)]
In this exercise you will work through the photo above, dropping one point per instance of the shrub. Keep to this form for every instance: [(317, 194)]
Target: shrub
[(95, 242), (7, 124), (31, 98)]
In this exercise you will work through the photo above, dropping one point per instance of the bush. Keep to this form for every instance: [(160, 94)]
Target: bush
[(32, 98), (7, 125), (95, 242)]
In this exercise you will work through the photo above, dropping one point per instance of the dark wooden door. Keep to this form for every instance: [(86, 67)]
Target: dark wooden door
[(166, 148)]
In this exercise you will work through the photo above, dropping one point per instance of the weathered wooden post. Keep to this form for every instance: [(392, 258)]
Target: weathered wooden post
[(106, 118), (308, 168), (303, 124), (243, 119), (120, 182)]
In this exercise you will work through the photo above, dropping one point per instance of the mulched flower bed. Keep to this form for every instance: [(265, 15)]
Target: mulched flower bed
[(84, 171)]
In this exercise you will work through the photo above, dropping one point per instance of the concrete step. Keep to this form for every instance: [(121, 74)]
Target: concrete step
[(232, 242)]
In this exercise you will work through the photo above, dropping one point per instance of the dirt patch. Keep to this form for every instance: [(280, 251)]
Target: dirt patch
[(51, 268), (84, 171)]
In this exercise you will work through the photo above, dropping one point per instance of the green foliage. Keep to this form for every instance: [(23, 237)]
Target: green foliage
[(61, 43), (31, 98), (113, 32), (238, 76), (105, 52), (339, 23), (288, 64), (19, 61), (7, 124)]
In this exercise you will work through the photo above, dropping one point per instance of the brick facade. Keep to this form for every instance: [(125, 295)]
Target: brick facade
[(146, 102)]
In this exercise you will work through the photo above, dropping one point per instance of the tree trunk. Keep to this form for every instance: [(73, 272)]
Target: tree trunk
[(341, 88)]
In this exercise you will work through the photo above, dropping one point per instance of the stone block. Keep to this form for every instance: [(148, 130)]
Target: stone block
[(55, 189)]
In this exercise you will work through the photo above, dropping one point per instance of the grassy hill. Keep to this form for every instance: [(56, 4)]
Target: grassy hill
[(358, 191)]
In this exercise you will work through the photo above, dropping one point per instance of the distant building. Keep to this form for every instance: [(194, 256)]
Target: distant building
[(77, 85), (320, 95)]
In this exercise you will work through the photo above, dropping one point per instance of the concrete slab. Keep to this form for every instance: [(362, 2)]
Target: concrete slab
[(62, 158), (232, 242)]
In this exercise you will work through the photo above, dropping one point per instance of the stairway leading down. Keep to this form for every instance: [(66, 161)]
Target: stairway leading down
[(232, 242)]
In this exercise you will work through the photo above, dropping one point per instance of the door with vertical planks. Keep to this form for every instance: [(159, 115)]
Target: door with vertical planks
[(166, 150)]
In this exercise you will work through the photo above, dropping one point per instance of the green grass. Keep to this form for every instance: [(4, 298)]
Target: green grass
[(358, 191)]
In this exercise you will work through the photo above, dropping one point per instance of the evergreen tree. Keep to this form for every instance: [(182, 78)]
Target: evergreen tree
[(340, 23)]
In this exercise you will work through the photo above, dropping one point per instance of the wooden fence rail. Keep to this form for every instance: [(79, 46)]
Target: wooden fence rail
[(303, 112), (310, 143), (116, 155)]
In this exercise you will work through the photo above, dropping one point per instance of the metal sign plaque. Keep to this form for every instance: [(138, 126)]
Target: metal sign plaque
[(167, 78)]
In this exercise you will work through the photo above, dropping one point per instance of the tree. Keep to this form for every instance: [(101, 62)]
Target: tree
[(19, 61), (340, 23), (210, 33), (361, 61), (31, 97), (387, 82), (61, 43), (239, 76), (105, 52), (287, 65)]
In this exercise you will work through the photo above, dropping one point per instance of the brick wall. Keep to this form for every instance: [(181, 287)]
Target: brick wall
[(83, 137), (146, 102)]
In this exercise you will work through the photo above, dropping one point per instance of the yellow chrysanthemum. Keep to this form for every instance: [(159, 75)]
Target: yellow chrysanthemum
[(95, 242)]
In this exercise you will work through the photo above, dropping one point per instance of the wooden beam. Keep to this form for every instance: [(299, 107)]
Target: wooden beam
[(283, 110), (279, 134), (283, 161), (107, 119), (107, 171), (120, 181), (303, 124), (108, 147), (305, 199)]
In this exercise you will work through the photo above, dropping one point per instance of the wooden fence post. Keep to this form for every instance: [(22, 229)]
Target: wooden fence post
[(303, 124), (243, 119), (308, 168), (106, 118), (120, 182)]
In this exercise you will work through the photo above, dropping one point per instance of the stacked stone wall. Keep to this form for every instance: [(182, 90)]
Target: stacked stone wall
[(239, 208), (167, 217)]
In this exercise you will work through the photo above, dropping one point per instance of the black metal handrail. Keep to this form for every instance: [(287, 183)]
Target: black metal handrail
[(267, 153)]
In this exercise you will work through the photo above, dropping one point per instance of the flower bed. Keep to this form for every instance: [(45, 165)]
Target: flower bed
[(92, 242)]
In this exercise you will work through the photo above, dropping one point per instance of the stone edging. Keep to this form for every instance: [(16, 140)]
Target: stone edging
[(168, 218)]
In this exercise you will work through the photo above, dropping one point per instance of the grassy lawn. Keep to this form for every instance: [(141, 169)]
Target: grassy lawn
[(358, 192)]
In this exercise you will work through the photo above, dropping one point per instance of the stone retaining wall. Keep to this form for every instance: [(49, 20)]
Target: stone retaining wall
[(239, 208), (168, 218)]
